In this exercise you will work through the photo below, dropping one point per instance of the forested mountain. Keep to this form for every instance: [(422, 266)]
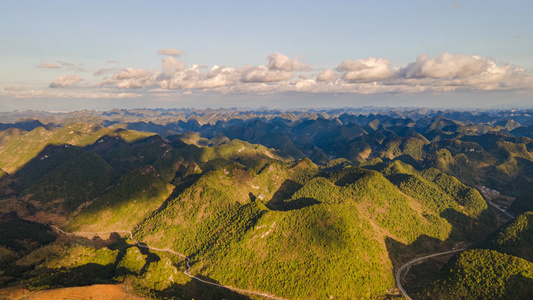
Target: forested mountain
[(501, 269), (297, 204)]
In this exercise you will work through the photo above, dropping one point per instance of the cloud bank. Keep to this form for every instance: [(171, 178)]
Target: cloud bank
[(445, 72), (282, 74)]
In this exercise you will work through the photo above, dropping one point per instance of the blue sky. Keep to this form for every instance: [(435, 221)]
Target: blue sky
[(69, 55)]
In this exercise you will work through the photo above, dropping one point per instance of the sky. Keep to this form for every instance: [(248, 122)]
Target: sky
[(73, 55)]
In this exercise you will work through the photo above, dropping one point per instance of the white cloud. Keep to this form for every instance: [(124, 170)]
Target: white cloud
[(65, 81), (463, 72), (280, 62), (366, 70), (130, 73), (175, 74), (327, 75), (445, 65), (109, 95), (48, 65), (280, 67), (112, 61), (170, 52), (171, 66), (193, 78), (130, 79), (264, 74), (313, 86)]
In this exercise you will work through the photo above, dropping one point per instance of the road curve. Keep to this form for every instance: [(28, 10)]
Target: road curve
[(400, 270), (186, 272), (407, 265)]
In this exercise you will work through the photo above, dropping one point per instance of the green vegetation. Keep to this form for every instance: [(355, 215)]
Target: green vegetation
[(251, 217), (6, 256), (515, 238), (132, 263), (51, 158), (22, 146), (522, 203), (89, 267), (317, 219), (484, 274), (23, 236), (160, 275), (154, 275), (121, 207), (319, 157), (71, 183)]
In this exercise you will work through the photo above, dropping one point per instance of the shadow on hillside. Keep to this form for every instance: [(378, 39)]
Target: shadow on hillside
[(96, 273), (351, 177), (281, 200), (129, 154), (408, 159), (195, 289), (418, 278), (512, 183), (114, 240), (87, 274), (399, 178), (400, 253), (284, 192), (86, 173), (297, 204), (522, 285), (465, 232)]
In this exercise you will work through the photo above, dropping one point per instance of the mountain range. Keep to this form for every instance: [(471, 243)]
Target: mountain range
[(301, 204)]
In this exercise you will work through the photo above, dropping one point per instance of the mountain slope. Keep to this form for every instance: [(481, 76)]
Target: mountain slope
[(515, 238), (72, 183), (18, 147), (484, 274), (293, 231)]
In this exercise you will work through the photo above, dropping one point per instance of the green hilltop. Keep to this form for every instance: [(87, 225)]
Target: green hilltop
[(501, 267), (484, 274), (514, 238)]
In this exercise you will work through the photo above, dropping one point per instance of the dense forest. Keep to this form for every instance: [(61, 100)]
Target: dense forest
[(295, 204)]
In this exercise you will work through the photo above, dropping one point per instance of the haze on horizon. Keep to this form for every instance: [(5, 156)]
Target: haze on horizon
[(65, 55)]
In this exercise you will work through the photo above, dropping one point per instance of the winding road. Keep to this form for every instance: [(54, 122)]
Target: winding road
[(186, 272), (407, 265)]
